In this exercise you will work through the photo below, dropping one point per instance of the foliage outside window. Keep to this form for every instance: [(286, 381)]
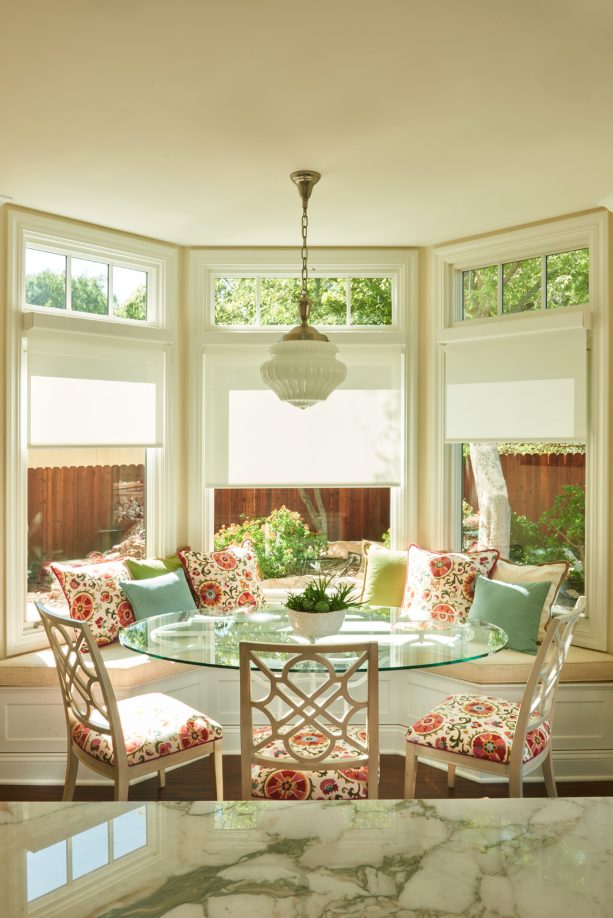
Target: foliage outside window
[(535, 498), (545, 282), (271, 301), (84, 285)]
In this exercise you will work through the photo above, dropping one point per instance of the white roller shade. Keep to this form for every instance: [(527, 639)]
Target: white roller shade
[(94, 393), (252, 439), (518, 387)]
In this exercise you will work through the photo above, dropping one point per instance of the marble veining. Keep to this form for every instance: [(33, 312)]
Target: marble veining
[(476, 858)]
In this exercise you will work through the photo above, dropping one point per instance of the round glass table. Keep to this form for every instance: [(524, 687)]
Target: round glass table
[(192, 637)]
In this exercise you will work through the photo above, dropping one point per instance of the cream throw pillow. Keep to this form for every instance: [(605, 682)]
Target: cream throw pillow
[(555, 572)]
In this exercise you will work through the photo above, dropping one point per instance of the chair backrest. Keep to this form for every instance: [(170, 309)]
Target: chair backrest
[(329, 705), (538, 700), (87, 692)]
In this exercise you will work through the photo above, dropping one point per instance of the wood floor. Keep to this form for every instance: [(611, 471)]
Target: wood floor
[(195, 782)]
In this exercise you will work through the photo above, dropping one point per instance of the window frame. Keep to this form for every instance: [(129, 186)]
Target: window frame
[(585, 231), (161, 509), (204, 334)]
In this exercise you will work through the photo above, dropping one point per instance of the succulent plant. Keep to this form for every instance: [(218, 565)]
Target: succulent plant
[(320, 596)]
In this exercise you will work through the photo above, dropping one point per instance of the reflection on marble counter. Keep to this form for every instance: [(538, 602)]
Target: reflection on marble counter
[(481, 858)]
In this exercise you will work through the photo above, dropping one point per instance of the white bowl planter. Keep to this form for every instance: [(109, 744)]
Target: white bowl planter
[(316, 624)]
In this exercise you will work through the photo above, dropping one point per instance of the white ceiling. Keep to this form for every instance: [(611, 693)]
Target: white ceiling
[(429, 119)]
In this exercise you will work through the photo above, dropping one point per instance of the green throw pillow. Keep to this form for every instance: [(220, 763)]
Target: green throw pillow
[(514, 607), (158, 595), (386, 574), (152, 567)]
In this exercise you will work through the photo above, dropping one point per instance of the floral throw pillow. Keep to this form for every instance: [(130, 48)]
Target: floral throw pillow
[(93, 595), (224, 581), (441, 585)]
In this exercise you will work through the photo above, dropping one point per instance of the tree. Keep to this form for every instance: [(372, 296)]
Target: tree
[(135, 307), (46, 289), (89, 295), (494, 508)]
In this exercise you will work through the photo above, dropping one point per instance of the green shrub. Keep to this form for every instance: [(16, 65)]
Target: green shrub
[(282, 542)]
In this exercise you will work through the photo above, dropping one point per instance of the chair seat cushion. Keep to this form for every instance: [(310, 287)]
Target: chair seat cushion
[(292, 781), (480, 726), (154, 725)]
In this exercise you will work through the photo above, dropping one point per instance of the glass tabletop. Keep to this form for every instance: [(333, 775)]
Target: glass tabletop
[(192, 637)]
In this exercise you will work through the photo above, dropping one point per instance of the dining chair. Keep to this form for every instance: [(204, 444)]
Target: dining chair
[(127, 739), (492, 735), (311, 746)]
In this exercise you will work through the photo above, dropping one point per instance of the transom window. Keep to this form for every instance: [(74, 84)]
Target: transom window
[(60, 280), (544, 282), (270, 300)]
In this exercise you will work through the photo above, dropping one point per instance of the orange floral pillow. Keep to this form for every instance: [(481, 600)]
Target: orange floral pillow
[(93, 595), (441, 584), (224, 581)]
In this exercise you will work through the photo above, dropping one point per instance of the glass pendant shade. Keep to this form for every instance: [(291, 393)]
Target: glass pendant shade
[(303, 372)]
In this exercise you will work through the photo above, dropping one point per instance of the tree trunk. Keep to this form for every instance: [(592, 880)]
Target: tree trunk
[(316, 511), (494, 507)]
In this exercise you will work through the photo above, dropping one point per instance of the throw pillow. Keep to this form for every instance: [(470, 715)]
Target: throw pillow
[(94, 595), (144, 568), (555, 572), (159, 595), (224, 581), (441, 585), (514, 607), (384, 577)]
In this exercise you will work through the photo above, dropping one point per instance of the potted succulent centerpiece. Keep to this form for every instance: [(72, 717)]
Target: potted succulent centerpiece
[(319, 610)]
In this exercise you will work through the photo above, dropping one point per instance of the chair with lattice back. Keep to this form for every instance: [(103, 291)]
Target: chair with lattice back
[(127, 739), (309, 731), (492, 735)]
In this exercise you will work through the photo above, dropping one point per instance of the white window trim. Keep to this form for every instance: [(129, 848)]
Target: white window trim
[(589, 230), (203, 333), (161, 507)]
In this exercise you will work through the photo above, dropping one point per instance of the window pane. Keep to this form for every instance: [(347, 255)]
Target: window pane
[(279, 300), (521, 285), (371, 301), (46, 870), (329, 298), (90, 286), (129, 832), (129, 293), (480, 292), (568, 278), (298, 532), (544, 519), (235, 300), (90, 850), (82, 504), (45, 279)]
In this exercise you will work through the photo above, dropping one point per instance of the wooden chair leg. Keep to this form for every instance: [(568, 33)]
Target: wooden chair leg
[(121, 787), (162, 777), (410, 771), (217, 754), (451, 776), (549, 776), (516, 782), (70, 781)]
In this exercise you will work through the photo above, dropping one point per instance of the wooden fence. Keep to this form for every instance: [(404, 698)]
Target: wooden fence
[(533, 482), (352, 513), (77, 509)]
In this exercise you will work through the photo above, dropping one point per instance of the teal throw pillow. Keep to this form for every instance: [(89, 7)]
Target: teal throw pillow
[(152, 567), (158, 595), (514, 607)]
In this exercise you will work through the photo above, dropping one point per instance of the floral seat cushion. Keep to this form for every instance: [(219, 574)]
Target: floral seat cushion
[(154, 725), (477, 725), (292, 781)]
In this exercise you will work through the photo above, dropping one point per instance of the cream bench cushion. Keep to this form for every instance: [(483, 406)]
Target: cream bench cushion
[(511, 667), (126, 668)]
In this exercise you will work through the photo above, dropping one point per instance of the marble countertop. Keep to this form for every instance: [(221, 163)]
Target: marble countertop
[(479, 858)]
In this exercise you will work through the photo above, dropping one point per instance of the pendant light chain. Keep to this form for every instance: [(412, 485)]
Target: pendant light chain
[(304, 251)]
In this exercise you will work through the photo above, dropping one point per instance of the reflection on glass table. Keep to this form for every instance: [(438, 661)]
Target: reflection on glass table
[(191, 637)]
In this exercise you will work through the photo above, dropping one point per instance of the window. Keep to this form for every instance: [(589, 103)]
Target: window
[(524, 285), (535, 493), (83, 285), (531, 390), (90, 467), (271, 300), (309, 486)]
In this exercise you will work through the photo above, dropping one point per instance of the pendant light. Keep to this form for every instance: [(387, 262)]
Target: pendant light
[(303, 368)]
